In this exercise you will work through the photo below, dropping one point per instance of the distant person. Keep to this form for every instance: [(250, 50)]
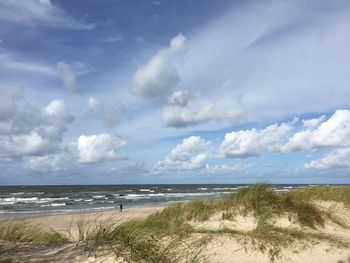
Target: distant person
[(121, 208)]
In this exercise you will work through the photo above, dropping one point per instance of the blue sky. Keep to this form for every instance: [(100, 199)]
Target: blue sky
[(174, 91)]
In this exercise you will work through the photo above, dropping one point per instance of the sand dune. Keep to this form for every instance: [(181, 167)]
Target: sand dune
[(221, 235)]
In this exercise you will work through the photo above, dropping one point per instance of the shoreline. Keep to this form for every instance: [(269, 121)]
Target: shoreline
[(28, 203), (299, 226), (69, 222), (98, 210)]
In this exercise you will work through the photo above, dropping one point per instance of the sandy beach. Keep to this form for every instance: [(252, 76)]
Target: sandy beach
[(218, 235), (67, 222)]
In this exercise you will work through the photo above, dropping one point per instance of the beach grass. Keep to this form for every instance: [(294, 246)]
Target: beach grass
[(165, 236), (324, 193), (154, 239), (23, 231)]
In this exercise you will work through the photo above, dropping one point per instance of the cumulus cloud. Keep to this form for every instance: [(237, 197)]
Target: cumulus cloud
[(68, 76), (191, 154), (55, 108), (246, 143), (313, 123), (314, 134), (99, 148), (183, 116), (44, 13), (109, 114), (50, 163), (30, 144), (26, 130), (180, 98), (183, 111), (317, 133), (338, 158), (158, 77), (13, 118)]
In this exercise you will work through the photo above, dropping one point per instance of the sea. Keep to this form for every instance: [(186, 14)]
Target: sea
[(26, 201)]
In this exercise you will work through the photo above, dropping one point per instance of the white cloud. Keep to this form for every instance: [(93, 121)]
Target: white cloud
[(177, 116), (191, 154), (99, 148), (180, 98), (183, 110), (26, 130), (55, 107), (158, 77), (274, 52), (245, 143), (38, 12), (338, 158), (313, 123), (68, 76), (109, 114), (30, 144), (55, 119), (317, 133), (50, 163)]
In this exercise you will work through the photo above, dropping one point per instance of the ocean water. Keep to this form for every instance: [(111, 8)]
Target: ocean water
[(22, 201)]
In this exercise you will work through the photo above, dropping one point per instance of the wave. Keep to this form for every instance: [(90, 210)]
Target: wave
[(19, 199), (193, 194), (146, 190), (30, 200), (134, 197), (17, 193), (54, 204), (49, 199), (58, 211), (148, 196), (7, 203), (58, 204), (225, 188), (98, 196)]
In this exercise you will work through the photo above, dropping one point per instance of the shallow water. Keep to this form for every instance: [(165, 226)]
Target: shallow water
[(21, 200)]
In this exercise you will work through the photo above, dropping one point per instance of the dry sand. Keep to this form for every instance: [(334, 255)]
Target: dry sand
[(220, 248), (67, 222)]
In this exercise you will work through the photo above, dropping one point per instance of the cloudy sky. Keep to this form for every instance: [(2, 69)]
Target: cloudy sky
[(165, 91)]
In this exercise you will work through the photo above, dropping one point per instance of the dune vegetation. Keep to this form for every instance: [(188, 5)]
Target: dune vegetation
[(25, 232), (171, 235)]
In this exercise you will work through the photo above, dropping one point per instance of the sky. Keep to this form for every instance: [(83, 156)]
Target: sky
[(187, 91)]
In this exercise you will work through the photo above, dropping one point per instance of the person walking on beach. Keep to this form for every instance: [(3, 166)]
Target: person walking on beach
[(121, 208)]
